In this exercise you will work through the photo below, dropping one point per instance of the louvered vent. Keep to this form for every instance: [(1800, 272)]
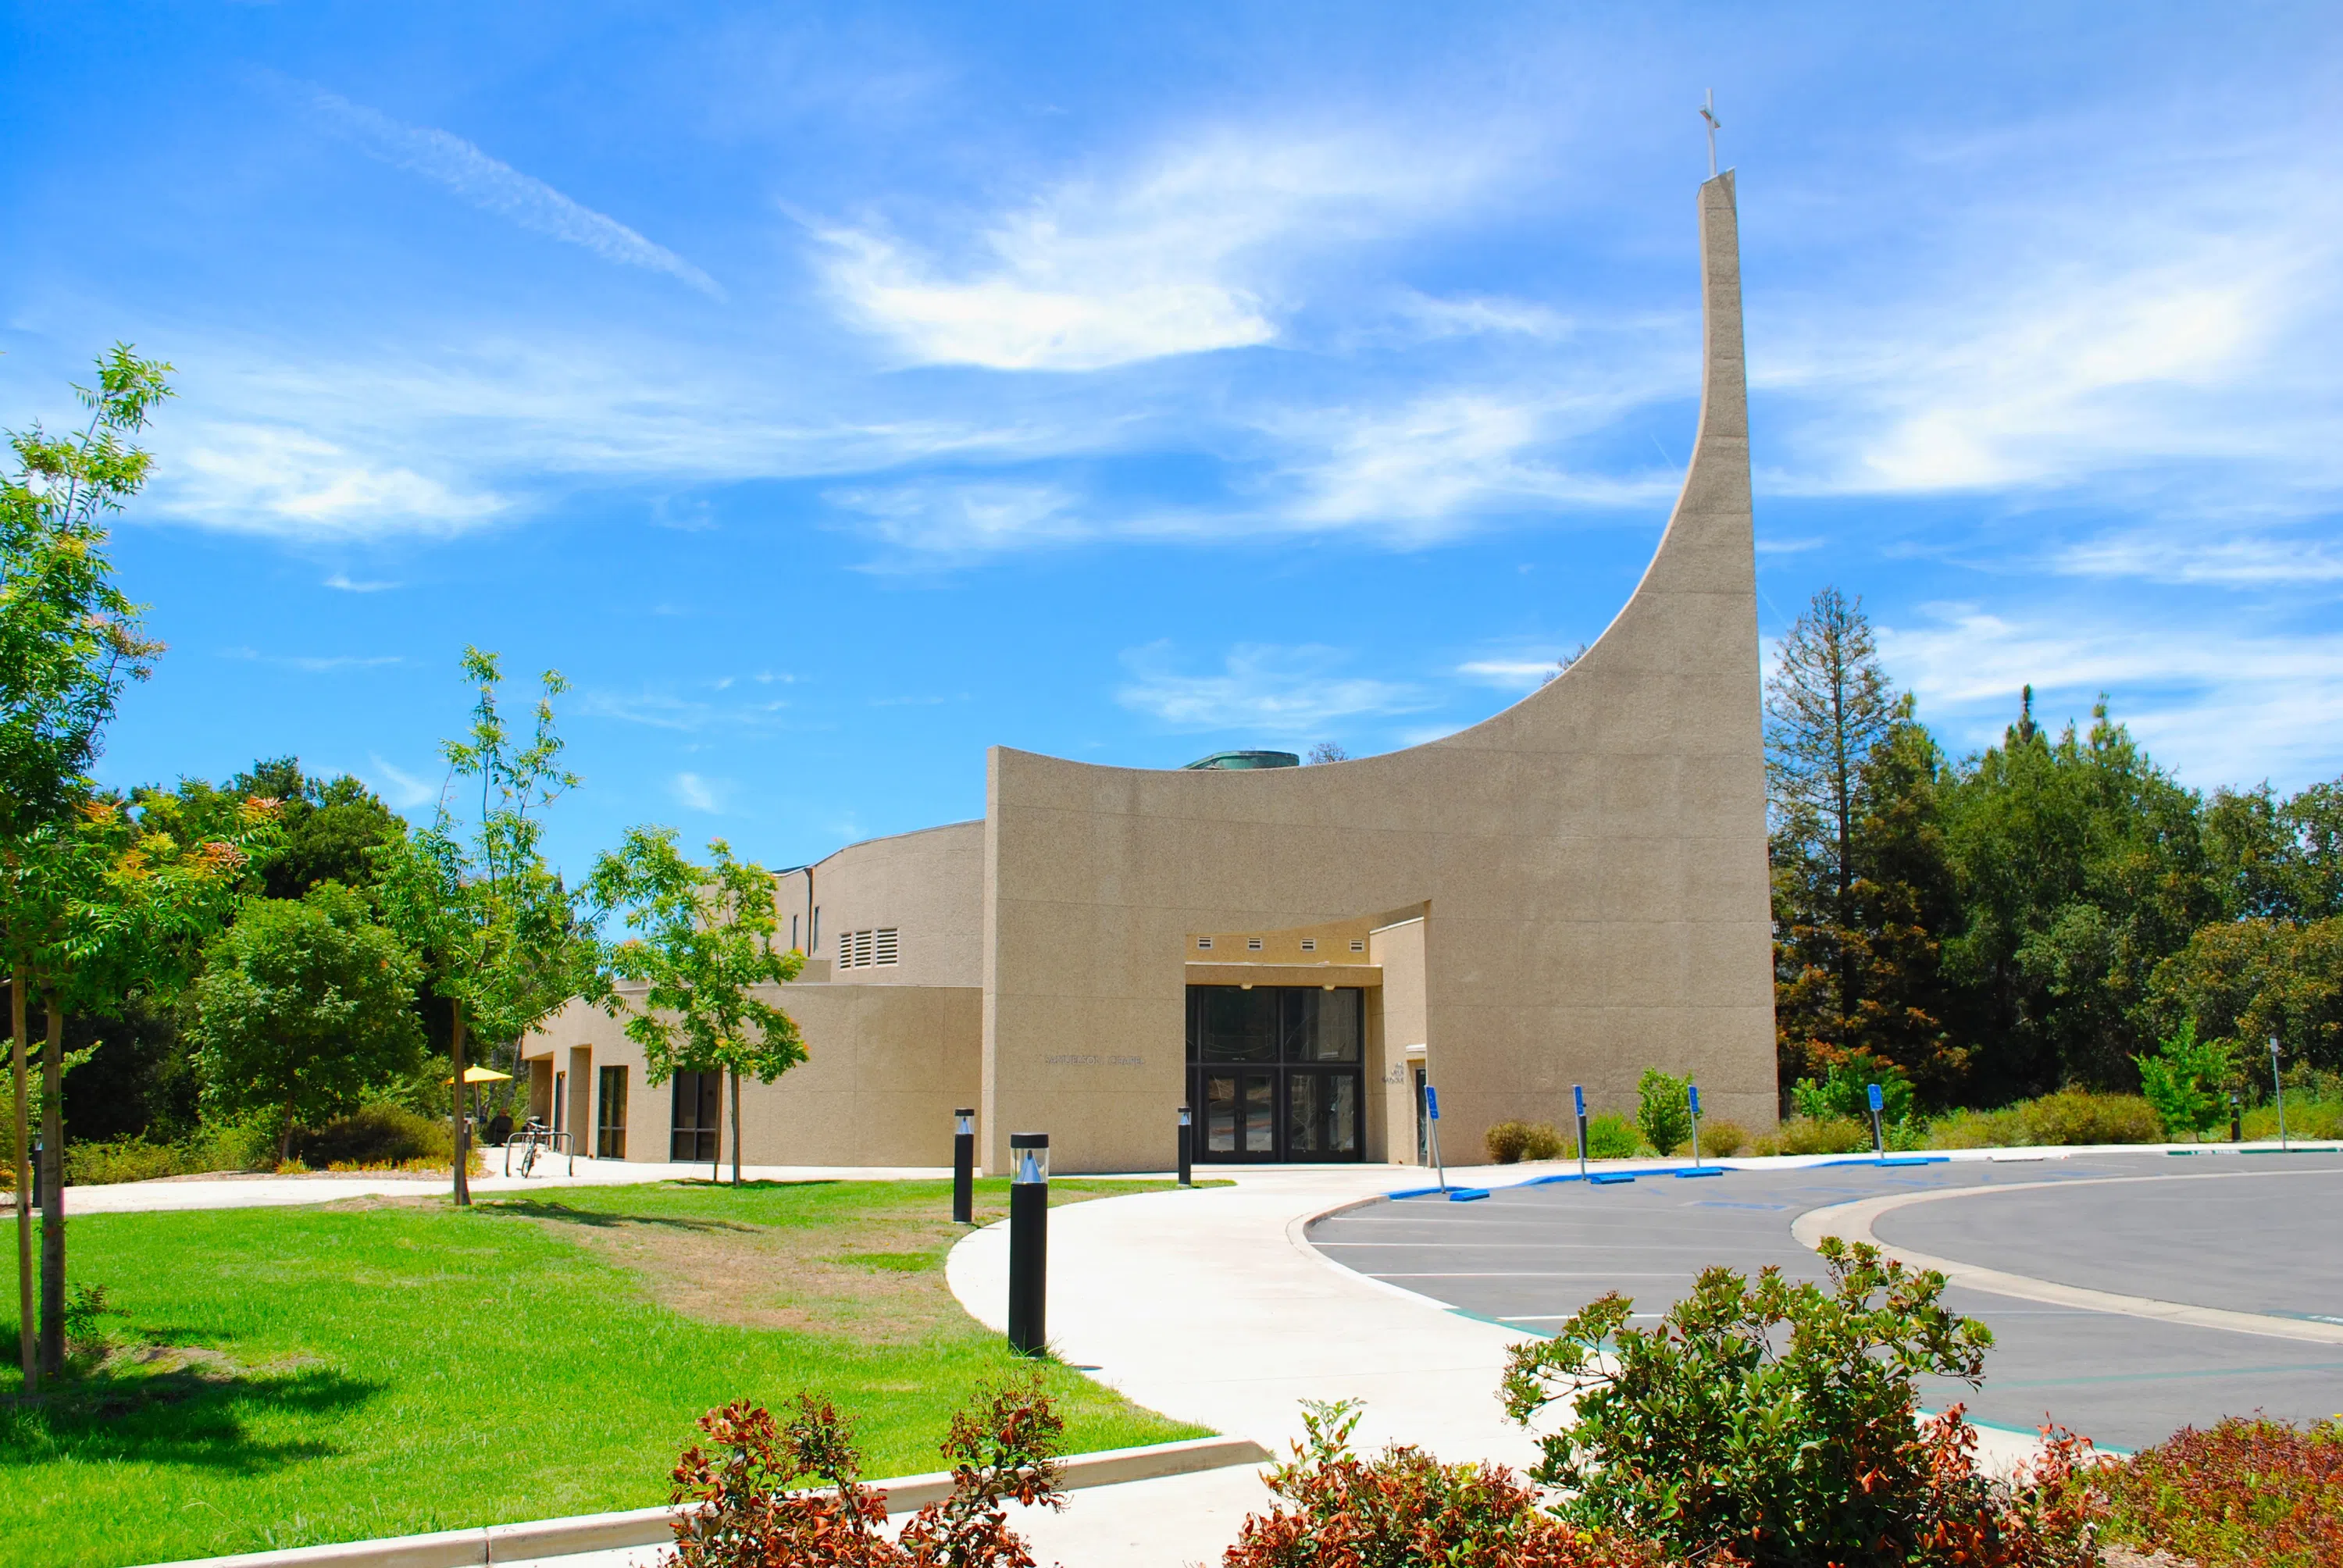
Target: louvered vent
[(1358, 944), (1205, 943), (1253, 944), (1310, 944), (862, 949), (846, 950), (883, 946)]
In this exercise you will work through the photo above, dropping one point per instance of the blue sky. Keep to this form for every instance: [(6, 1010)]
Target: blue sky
[(831, 391)]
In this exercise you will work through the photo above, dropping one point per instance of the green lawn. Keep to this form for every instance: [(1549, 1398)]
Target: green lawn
[(284, 1377)]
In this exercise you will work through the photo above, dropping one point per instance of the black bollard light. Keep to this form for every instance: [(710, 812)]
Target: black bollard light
[(37, 1201), (964, 1166), (1029, 1242), (1187, 1145), (2236, 1119)]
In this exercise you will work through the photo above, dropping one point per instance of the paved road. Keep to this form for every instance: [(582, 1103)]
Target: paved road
[(2262, 1238)]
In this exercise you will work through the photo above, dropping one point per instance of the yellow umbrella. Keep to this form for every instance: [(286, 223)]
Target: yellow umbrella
[(482, 1075)]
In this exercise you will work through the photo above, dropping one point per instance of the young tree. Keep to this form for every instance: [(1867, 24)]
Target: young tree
[(69, 643), (304, 1005), (497, 930), (1828, 705), (707, 945), (123, 911)]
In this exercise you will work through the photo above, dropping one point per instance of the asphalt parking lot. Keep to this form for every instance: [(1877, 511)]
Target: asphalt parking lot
[(2264, 1235)]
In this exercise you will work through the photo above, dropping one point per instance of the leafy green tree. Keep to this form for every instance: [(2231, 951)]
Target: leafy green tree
[(2081, 865), (2184, 1081), (304, 1005), (69, 644), (706, 947), (328, 828), (498, 932), (1664, 1109), (2252, 981)]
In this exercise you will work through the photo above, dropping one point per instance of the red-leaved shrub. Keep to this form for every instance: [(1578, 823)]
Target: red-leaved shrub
[(1405, 1508), (749, 1508), (2251, 1493)]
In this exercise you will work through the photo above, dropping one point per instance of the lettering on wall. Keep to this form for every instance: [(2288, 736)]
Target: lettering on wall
[(1093, 1059)]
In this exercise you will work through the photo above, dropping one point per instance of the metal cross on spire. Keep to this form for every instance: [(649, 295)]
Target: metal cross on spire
[(1708, 113)]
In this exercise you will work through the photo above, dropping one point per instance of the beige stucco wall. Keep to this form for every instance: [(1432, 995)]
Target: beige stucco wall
[(886, 1065), (927, 885), (1592, 860)]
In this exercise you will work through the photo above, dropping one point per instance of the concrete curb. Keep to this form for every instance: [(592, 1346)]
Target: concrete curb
[(652, 1526), (1854, 1220)]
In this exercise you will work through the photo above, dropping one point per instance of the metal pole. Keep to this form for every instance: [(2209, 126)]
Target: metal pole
[(1692, 1094), (1029, 1242), (1187, 1145), (2277, 1087), (1578, 1101), (1432, 1120), (964, 1166)]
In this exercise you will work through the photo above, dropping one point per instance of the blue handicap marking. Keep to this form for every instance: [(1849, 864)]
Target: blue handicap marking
[(1578, 1097), (1701, 1170), (1692, 1092), (1878, 1101), (1431, 1101), (1467, 1194), (1611, 1179)]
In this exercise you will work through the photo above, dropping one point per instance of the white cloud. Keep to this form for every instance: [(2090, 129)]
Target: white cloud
[(943, 516), (2180, 319), (275, 479), (501, 189), (402, 789), (1279, 691), (665, 711), (2228, 561), (1511, 674), (2220, 705), (1423, 470), (342, 580), (1180, 257), (694, 793)]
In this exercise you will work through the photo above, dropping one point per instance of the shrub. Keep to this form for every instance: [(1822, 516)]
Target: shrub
[(1405, 1508), (1720, 1432), (378, 1135), (2249, 1493), (2075, 1116), (1846, 1090), (747, 1516), (1806, 1135), (2184, 1081), (1611, 1136), (1979, 1129), (227, 1146), (1662, 1113), (1509, 1143), (1722, 1138)]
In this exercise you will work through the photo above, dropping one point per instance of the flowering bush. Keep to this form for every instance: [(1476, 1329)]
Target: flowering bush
[(1779, 1424), (747, 1515), (2251, 1493), (1405, 1508)]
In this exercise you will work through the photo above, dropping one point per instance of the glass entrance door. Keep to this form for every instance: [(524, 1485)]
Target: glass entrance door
[(1240, 1115), (1276, 1070)]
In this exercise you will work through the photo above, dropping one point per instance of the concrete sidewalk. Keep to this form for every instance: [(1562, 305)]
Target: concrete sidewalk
[(235, 1192), (1208, 1306)]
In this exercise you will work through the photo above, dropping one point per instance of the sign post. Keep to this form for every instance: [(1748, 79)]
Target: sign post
[(1692, 1097), (1578, 1103), (1878, 1103), (1029, 1242), (2277, 1087), (964, 1166), (1432, 1117)]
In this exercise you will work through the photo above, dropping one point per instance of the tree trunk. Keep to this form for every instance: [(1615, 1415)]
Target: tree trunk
[(463, 1187), (735, 1127), (53, 1194), (27, 1346), (285, 1136)]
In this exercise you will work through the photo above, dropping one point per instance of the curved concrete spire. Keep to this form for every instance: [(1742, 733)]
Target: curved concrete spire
[(1588, 867)]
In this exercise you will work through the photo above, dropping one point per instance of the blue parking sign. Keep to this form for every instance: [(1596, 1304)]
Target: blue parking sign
[(1431, 1101), (1692, 1092), (1578, 1097), (1878, 1101)]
